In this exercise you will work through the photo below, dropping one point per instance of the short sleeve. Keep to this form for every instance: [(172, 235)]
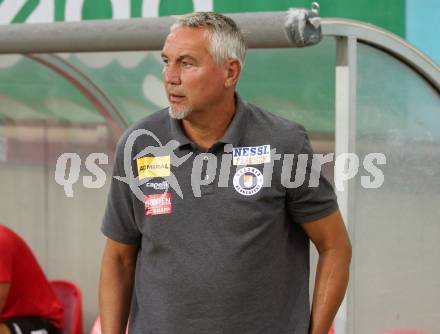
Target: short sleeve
[(5, 261), (309, 201), (119, 222)]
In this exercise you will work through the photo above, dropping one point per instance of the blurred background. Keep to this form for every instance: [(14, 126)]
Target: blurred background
[(81, 103)]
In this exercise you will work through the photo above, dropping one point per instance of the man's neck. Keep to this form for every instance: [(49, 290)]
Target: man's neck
[(206, 127)]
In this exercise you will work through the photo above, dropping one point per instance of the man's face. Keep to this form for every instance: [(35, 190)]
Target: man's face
[(192, 79)]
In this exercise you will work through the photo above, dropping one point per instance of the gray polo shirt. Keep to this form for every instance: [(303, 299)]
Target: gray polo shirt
[(228, 258)]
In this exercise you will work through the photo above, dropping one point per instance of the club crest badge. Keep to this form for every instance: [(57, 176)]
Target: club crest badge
[(248, 181)]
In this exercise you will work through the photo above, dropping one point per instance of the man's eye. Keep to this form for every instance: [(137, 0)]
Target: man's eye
[(186, 64), (165, 61)]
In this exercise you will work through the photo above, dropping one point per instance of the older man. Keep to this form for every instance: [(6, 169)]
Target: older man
[(230, 252)]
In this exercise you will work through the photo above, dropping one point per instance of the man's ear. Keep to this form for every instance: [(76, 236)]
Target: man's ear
[(232, 70)]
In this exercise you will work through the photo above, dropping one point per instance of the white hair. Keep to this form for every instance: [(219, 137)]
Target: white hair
[(226, 39)]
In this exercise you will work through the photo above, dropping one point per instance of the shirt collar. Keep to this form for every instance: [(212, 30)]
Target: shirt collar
[(232, 135), (238, 124), (177, 132)]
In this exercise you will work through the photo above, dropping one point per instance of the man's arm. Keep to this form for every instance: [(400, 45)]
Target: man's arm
[(4, 292), (330, 237), (116, 285)]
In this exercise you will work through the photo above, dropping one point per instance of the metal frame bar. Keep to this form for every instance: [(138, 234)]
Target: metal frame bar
[(262, 30), (127, 34), (388, 42), (86, 87), (345, 139)]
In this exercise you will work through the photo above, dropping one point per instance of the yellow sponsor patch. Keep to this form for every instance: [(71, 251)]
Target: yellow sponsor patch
[(153, 167)]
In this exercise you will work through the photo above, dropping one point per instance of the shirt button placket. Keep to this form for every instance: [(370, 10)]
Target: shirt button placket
[(209, 188)]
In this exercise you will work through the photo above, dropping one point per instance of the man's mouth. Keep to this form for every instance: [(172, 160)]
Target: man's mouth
[(174, 98)]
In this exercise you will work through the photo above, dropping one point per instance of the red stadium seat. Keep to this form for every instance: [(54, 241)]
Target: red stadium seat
[(70, 296)]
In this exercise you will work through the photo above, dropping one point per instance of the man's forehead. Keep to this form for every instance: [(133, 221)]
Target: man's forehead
[(189, 31), (186, 38)]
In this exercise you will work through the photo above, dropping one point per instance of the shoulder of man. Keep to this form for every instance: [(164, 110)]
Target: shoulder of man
[(153, 122), (287, 135)]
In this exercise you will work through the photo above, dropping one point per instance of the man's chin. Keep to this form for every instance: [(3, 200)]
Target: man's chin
[(178, 113)]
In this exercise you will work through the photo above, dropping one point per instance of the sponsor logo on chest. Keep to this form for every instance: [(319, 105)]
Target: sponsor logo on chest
[(253, 155), (158, 204), (153, 167), (157, 185)]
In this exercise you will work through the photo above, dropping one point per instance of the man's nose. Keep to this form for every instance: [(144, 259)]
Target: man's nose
[(171, 74)]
